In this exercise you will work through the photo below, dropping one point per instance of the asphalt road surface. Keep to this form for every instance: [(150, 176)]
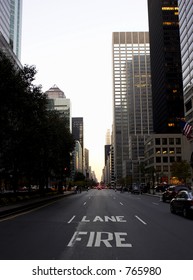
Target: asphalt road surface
[(98, 225)]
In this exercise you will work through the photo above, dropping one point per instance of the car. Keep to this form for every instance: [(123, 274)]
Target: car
[(23, 189), (136, 189), (161, 188), (182, 203), (172, 191)]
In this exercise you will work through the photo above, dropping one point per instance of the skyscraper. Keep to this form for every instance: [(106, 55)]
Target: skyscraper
[(108, 137), (5, 15), (78, 135), (58, 101), (186, 39), (15, 26), (78, 130), (132, 99), (10, 27), (166, 70)]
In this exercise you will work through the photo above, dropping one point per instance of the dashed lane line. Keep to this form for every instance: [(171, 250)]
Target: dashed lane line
[(71, 219), (140, 220)]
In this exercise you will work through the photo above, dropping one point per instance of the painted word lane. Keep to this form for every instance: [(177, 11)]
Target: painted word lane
[(100, 238)]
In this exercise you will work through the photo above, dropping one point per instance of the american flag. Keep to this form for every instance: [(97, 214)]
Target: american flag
[(186, 129)]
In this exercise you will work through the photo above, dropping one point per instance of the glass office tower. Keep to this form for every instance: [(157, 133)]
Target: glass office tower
[(186, 38), (78, 130), (166, 70), (10, 26), (5, 19), (15, 26), (131, 99)]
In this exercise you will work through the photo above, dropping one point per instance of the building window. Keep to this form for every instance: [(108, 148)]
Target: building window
[(158, 150), (164, 151), (158, 159), (171, 151), (165, 159), (172, 159), (178, 150), (171, 141), (158, 168), (178, 141), (188, 105), (164, 141), (157, 141), (165, 168)]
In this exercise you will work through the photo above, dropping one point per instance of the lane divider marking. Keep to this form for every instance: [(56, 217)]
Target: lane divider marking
[(71, 219), (140, 220)]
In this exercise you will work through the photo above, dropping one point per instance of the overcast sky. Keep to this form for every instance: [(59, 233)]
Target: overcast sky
[(70, 43)]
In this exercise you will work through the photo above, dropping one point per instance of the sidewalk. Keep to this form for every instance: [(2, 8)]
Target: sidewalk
[(16, 208)]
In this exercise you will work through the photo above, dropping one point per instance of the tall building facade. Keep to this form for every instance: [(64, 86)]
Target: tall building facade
[(78, 130), (58, 101), (10, 26), (186, 39), (167, 145), (166, 69), (76, 159), (78, 135), (5, 15), (86, 155), (108, 137), (132, 114), (15, 26)]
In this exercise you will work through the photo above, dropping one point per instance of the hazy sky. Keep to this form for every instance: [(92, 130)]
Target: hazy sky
[(70, 43)]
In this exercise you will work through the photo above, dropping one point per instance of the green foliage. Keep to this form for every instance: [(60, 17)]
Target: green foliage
[(35, 143), (181, 170)]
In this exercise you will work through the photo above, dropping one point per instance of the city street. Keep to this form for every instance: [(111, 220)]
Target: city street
[(98, 224)]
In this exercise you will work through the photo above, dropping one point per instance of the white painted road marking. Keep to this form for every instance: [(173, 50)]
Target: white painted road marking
[(140, 220), (76, 238), (95, 239), (121, 203), (155, 203), (119, 219), (71, 219), (84, 203)]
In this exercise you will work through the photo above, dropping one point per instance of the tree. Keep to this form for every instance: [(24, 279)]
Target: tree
[(79, 179), (181, 170), (34, 142), (58, 145), (22, 107)]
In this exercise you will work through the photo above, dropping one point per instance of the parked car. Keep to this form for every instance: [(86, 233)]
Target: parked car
[(136, 189), (182, 203), (143, 188), (161, 188), (23, 189), (172, 191)]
